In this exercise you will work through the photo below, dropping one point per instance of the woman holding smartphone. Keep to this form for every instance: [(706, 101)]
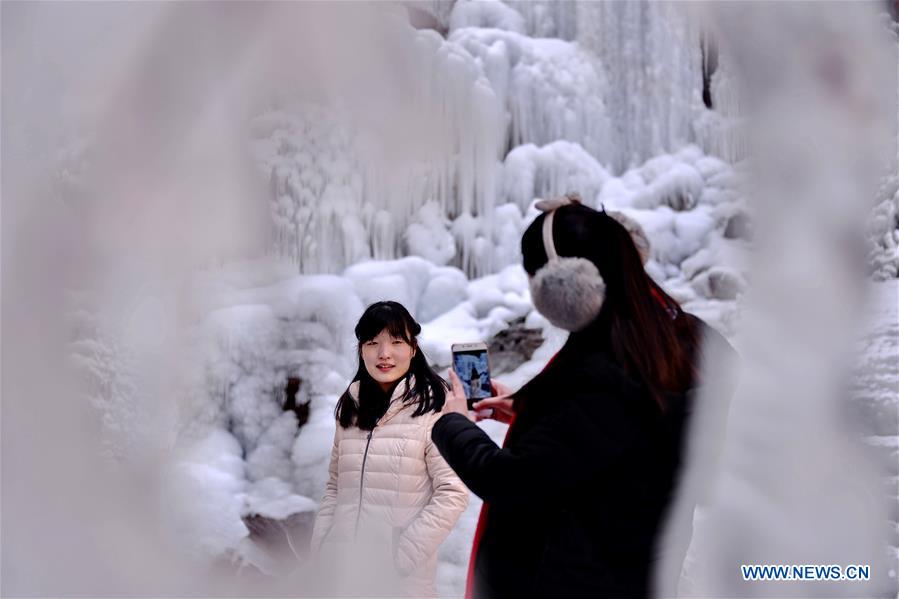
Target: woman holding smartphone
[(389, 490), (575, 499)]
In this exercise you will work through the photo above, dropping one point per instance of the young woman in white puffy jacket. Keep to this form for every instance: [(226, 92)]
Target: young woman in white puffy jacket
[(390, 499)]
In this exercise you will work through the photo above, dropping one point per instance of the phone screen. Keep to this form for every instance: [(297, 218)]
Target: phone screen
[(471, 367)]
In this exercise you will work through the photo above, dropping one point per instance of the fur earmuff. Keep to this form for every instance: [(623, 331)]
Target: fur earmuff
[(641, 241), (569, 292)]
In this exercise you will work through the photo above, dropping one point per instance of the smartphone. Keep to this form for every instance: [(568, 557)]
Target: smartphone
[(472, 366)]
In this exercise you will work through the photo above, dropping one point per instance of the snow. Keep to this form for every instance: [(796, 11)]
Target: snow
[(508, 224), (311, 450), (549, 171), (428, 235), (404, 279), (258, 322), (270, 458), (521, 100), (793, 410), (678, 186), (492, 14), (551, 88), (272, 497), (491, 303), (418, 196), (445, 290), (720, 131), (425, 289), (883, 232), (254, 337), (336, 196), (207, 490), (648, 51), (685, 202), (548, 18), (251, 340), (264, 322)]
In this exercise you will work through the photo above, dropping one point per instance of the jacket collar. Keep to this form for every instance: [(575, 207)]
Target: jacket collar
[(396, 399)]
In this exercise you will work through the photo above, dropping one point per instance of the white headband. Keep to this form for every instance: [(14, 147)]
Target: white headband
[(550, 207)]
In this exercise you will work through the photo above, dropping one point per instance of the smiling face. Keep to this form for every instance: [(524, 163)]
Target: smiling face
[(387, 358)]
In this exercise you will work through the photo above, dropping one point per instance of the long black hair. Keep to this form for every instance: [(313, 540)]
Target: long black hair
[(429, 390), (640, 326)]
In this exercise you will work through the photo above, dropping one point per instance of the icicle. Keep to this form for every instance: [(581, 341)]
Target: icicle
[(552, 89), (651, 54), (548, 18)]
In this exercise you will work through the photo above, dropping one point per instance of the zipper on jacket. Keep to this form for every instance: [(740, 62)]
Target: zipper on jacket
[(361, 480)]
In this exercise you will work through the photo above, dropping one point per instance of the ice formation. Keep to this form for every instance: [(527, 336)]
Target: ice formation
[(650, 51), (551, 89), (490, 14), (266, 323), (241, 451), (883, 232), (552, 170), (336, 200), (501, 103), (557, 93)]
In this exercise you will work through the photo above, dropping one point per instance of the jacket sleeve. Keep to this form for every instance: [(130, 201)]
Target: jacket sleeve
[(548, 463), (325, 517), (429, 529)]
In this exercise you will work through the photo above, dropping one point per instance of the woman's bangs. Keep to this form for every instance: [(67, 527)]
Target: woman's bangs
[(397, 328), (378, 320)]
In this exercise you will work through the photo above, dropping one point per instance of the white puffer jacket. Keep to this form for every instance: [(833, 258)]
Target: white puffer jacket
[(391, 485)]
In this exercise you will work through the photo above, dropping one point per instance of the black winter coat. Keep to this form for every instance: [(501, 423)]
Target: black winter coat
[(579, 493)]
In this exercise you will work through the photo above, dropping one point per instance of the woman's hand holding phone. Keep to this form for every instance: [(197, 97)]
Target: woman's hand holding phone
[(455, 399), (500, 405)]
